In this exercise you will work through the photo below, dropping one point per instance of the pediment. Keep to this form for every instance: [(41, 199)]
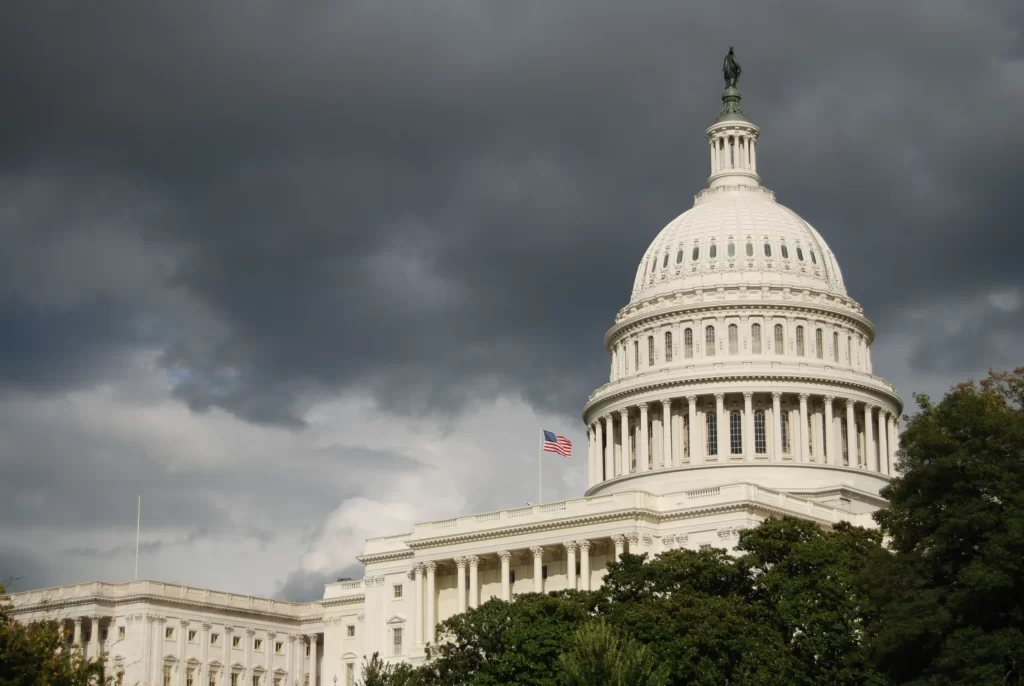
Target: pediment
[(396, 619), (350, 656), (215, 664), (237, 666)]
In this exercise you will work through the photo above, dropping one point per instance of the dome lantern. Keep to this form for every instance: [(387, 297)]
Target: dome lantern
[(732, 139)]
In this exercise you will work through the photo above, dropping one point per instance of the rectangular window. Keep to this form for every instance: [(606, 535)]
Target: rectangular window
[(279, 647), (625, 359), (169, 633), (849, 344), (167, 675), (712, 434), (835, 348), (734, 339), (397, 593), (213, 679), (760, 439), (800, 341), (650, 350), (192, 633), (709, 341), (755, 339), (120, 632), (636, 355), (668, 346), (786, 447), (396, 641), (277, 681), (307, 650), (236, 642), (735, 433), (810, 434), (257, 645), (214, 639), (819, 343), (780, 340), (234, 678), (190, 677), (350, 631), (845, 444), (688, 343), (350, 674), (686, 435), (255, 680)]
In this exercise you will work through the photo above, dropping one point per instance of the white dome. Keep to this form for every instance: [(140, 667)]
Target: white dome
[(721, 241)]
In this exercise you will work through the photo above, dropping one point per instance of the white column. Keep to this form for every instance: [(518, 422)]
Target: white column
[(696, 450), (182, 630), (883, 443), (828, 442), (748, 426), (204, 655), (570, 568), (418, 585), (598, 451), (506, 591), (584, 564), (643, 450), (803, 433), (851, 434), (777, 426), (890, 424), (77, 636), (723, 437), (460, 583), (591, 460), (156, 664), (312, 659), (609, 451), (94, 637), (870, 461), (620, 545), (431, 619), (667, 459), (249, 635), (147, 648), (293, 672), (753, 154), (624, 438), (538, 568), (711, 147), (225, 660), (268, 677), (474, 581)]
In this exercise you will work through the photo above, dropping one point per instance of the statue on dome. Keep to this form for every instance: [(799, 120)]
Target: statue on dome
[(731, 69)]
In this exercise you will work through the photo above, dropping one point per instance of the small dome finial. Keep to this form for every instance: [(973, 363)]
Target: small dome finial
[(731, 97)]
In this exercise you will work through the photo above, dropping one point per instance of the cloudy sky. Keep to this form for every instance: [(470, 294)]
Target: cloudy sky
[(303, 273)]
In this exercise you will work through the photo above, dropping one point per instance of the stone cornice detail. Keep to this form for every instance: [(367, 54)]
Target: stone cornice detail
[(390, 556)]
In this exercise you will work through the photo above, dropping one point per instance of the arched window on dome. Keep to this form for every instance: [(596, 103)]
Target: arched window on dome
[(750, 249), (835, 347), (799, 253), (819, 343), (664, 263), (713, 251), (650, 351), (709, 341), (679, 256), (696, 253), (654, 263), (767, 249), (787, 443), (800, 341), (668, 346), (849, 344), (760, 439), (734, 339), (780, 340), (688, 343), (731, 250), (636, 355), (735, 433), (712, 425), (785, 252), (624, 356), (814, 260), (755, 339), (844, 433)]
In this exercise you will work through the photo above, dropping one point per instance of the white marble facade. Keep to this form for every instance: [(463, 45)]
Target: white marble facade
[(740, 387)]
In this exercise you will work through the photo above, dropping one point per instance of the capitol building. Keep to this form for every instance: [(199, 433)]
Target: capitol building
[(740, 387)]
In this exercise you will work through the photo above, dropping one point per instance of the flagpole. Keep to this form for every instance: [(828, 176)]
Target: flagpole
[(138, 524), (540, 466)]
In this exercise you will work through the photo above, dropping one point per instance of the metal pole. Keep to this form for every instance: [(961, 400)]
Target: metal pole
[(138, 524), (540, 468)]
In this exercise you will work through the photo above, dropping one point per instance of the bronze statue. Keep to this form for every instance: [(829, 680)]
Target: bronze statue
[(731, 69)]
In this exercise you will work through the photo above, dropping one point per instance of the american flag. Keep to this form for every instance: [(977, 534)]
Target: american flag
[(557, 444)]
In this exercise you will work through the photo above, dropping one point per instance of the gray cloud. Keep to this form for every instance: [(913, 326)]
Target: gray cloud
[(434, 204)]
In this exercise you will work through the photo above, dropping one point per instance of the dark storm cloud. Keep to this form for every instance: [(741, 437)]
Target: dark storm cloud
[(434, 201)]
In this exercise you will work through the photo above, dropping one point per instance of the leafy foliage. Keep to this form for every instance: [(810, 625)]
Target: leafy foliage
[(952, 595), (600, 654), (377, 672), (37, 654)]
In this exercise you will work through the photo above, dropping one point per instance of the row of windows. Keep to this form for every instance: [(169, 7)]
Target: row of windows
[(733, 340), (192, 680), (730, 251), (215, 640)]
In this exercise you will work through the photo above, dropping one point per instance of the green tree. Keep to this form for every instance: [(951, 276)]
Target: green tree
[(377, 672), (951, 597), (508, 643), (599, 654), (37, 654)]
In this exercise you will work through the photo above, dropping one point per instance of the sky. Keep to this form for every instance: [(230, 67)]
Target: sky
[(300, 274)]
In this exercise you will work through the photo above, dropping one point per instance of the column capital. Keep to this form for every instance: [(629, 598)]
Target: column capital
[(804, 396), (312, 638), (417, 568), (829, 398), (633, 537), (747, 395), (584, 544), (78, 621), (606, 417), (850, 402), (250, 632), (570, 545), (184, 622), (228, 629), (473, 560), (667, 402), (776, 395), (430, 565), (870, 407), (624, 412), (461, 562), (271, 635), (642, 407), (207, 626), (505, 555), (537, 550), (719, 397), (291, 638), (95, 617), (618, 539)]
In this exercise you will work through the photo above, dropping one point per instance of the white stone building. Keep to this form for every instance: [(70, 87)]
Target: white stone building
[(740, 388)]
